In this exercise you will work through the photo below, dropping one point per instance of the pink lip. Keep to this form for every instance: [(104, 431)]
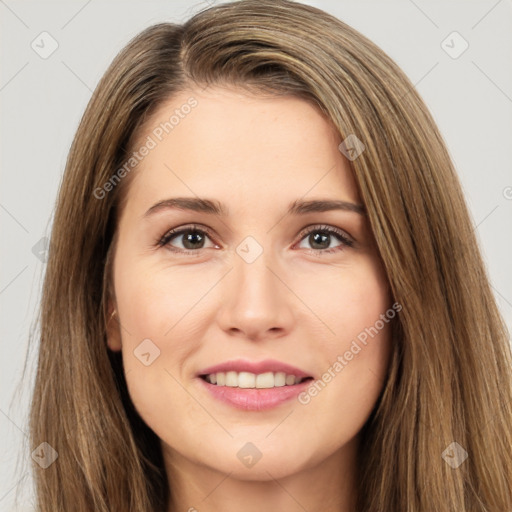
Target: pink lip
[(244, 365), (254, 399)]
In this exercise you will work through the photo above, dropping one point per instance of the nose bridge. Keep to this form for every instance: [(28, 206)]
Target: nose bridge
[(255, 299)]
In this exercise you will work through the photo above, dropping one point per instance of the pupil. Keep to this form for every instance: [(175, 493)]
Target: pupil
[(318, 239)]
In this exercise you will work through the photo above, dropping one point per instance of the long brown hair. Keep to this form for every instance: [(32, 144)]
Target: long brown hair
[(449, 378)]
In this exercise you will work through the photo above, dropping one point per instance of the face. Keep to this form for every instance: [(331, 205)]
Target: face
[(275, 284)]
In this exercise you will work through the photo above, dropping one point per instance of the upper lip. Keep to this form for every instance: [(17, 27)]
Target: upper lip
[(256, 367)]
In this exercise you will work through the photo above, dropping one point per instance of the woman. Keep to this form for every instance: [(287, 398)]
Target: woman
[(263, 287)]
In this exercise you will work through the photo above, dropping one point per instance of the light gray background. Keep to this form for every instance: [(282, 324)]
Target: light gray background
[(42, 101)]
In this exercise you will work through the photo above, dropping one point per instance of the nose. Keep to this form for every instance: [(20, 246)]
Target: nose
[(256, 301)]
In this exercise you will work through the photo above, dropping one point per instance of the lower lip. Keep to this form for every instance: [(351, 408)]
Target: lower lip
[(255, 399)]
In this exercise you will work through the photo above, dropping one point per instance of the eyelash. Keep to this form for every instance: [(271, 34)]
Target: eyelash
[(329, 230)]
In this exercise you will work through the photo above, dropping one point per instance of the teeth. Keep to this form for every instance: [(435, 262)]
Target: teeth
[(250, 380), (280, 379), (290, 380), (265, 380), (231, 379), (245, 380)]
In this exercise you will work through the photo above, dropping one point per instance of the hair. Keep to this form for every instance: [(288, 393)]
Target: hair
[(449, 377)]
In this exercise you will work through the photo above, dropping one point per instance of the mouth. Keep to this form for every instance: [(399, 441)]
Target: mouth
[(253, 385), (253, 392)]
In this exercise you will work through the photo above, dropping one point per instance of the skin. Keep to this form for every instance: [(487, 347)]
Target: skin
[(295, 303)]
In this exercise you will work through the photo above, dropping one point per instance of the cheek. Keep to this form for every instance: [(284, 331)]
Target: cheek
[(347, 300), (356, 307), (349, 386), (363, 329), (159, 315), (156, 301)]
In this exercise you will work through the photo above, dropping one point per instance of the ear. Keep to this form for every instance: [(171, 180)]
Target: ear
[(113, 329)]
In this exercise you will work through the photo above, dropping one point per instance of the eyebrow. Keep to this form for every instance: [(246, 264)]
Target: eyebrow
[(297, 207)]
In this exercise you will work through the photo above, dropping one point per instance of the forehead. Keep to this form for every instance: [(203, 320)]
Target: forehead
[(230, 140)]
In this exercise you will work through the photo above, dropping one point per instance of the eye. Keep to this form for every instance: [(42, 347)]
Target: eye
[(320, 238), (192, 238)]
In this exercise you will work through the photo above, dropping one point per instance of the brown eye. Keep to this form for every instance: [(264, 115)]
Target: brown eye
[(320, 238), (189, 239)]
